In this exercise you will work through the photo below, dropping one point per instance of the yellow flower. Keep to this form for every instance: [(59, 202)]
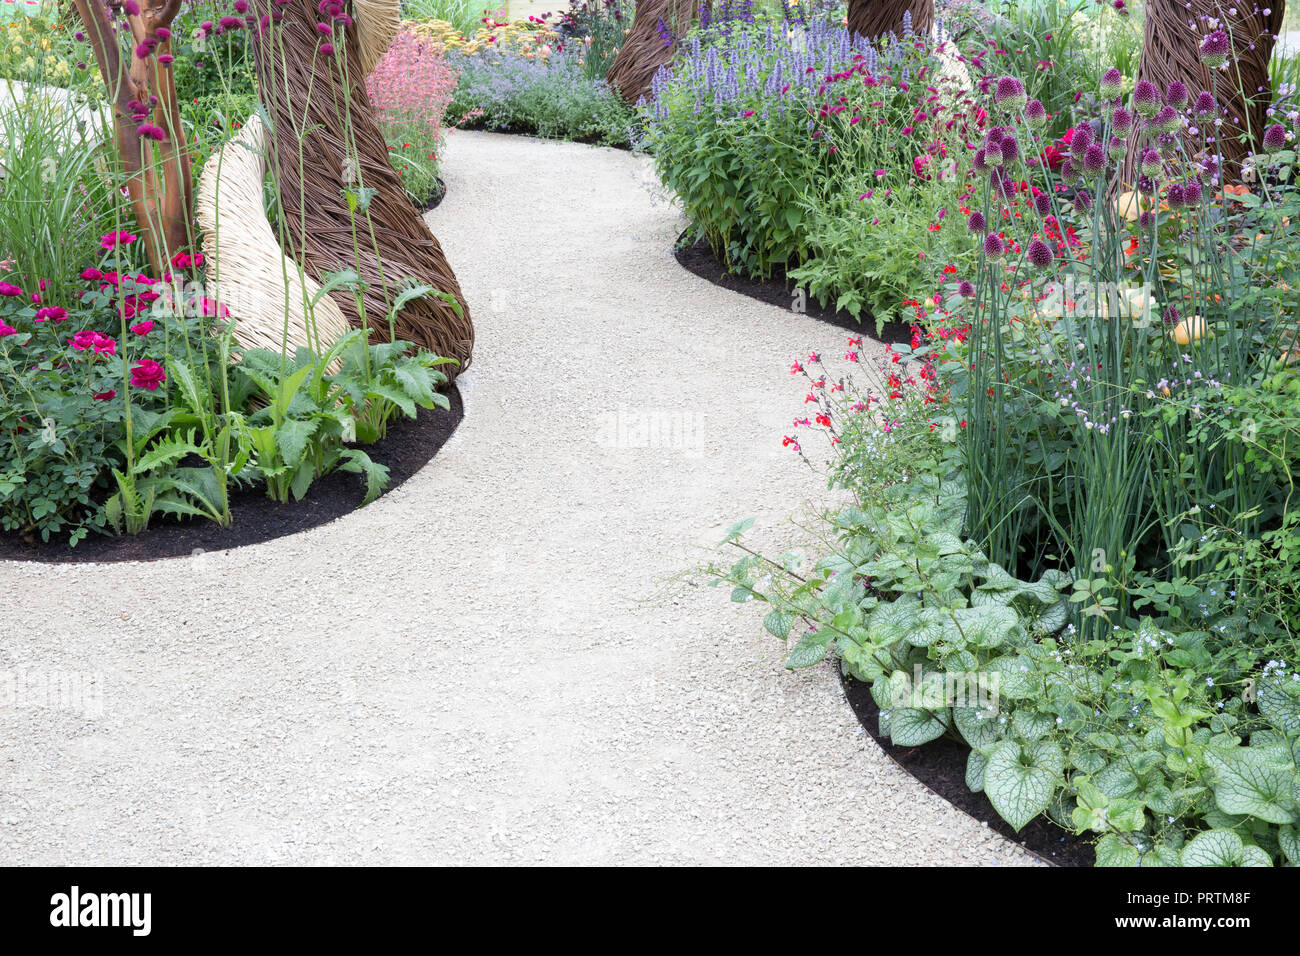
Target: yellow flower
[(1189, 330)]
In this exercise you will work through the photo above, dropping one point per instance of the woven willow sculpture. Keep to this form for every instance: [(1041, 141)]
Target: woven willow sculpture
[(1174, 30), (326, 153), (268, 297), (650, 44), (876, 18)]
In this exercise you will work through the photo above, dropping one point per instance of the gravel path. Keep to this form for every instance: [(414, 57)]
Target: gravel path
[(499, 661)]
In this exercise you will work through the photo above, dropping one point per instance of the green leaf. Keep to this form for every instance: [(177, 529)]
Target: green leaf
[(736, 530), (912, 726), (1213, 848), (1111, 851), (1278, 707), (1289, 839), (976, 765), (1249, 782), (1020, 780), (779, 624), (978, 726), (292, 439), (810, 650)]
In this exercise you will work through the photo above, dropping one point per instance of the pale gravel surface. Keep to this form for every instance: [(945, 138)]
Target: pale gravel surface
[(493, 664)]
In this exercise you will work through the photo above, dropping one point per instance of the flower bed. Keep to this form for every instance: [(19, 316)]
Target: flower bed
[(1071, 542)]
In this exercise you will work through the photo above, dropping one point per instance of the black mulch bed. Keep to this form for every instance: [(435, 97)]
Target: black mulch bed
[(439, 194), (941, 766), (408, 446), (698, 258)]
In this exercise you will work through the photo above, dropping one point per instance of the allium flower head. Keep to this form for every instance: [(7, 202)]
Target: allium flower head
[(1192, 192), (1149, 163), (965, 289), (976, 222), (1094, 161), (979, 162), (1039, 254), (1215, 49), (1204, 103), (1111, 83), (1010, 150), (994, 247), (1117, 148), (1121, 121), (1174, 195), (1010, 93), (1081, 139), (1176, 95), (1069, 173), (1146, 98), (1167, 120), (1275, 138), (1035, 114), (1171, 315), (1082, 201), (1043, 204)]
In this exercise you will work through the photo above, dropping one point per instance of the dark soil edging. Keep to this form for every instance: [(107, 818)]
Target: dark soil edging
[(696, 257), (407, 447), (941, 766), (439, 194)]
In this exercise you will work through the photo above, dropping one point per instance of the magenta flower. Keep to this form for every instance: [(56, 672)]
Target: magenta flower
[(1035, 113), (7, 330), (1146, 98), (1176, 95), (1039, 254), (1121, 121), (147, 374), (10, 290), (1215, 49), (994, 247), (90, 339), (1010, 93), (143, 328), (1111, 83), (1149, 163), (1167, 120), (965, 289), (111, 239), (1205, 103), (1275, 138), (1094, 161), (976, 222), (52, 313)]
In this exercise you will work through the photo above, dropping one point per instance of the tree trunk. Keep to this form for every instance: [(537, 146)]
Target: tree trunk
[(657, 25), (344, 207), (143, 92), (1171, 51), (876, 18)]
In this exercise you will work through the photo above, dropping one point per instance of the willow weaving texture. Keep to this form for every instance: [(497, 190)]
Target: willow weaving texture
[(327, 154), (268, 296), (650, 45)]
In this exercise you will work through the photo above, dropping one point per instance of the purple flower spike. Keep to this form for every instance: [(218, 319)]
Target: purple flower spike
[(1082, 202), (1117, 148), (1094, 161), (1010, 93), (1205, 103), (1146, 98), (1150, 164), (1043, 204), (994, 247), (1215, 49), (1275, 138), (1111, 82), (965, 289), (976, 222), (1039, 255), (1035, 114), (1176, 95)]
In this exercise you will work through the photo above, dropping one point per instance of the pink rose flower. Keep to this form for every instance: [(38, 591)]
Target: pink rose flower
[(147, 374)]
